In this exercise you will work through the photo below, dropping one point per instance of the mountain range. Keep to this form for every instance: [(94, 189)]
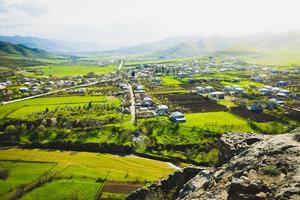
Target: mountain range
[(197, 45), (9, 49), (172, 47), (53, 45)]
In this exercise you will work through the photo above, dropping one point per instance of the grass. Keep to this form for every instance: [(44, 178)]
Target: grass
[(94, 165), (242, 83), (21, 173), (61, 71), (217, 122), (270, 170), (169, 80), (23, 108), (66, 189), (79, 175), (280, 57), (227, 103)]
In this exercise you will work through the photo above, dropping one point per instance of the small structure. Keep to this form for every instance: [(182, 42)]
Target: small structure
[(177, 117), (257, 108), (162, 110), (217, 95), (23, 89)]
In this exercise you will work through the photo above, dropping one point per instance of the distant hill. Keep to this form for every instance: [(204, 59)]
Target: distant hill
[(54, 45), (9, 49), (197, 45)]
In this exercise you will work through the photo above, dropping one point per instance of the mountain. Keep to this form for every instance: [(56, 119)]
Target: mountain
[(197, 45), (54, 45), (9, 49)]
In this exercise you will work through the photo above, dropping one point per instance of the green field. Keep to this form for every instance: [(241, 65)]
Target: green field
[(217, 122), (21, 173), (280, 57), (81, 173), (66, 189), (169, 80), (61, 71), (23, 108)]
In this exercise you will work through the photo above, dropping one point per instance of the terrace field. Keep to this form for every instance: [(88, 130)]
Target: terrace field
[(75, 173), (61, 71)]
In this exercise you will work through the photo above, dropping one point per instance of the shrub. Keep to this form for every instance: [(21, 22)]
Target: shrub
[(3, 173), (271, 170)]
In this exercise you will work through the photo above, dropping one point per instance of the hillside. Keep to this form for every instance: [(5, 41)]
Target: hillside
[(9, 49), (54, 45)]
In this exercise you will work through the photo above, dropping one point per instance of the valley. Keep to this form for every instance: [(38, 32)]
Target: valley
[(92, 127)]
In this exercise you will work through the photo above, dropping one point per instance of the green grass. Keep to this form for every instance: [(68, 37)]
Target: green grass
[(94, 165), (22, 108), (216, 122), (281, 57), (227, 103), (61, 71), (169, 80), (66, 189), (78, 175), (243, 83), (21, 173)]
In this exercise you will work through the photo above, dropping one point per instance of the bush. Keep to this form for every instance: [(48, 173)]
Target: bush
[(271, 170), (3, 173)]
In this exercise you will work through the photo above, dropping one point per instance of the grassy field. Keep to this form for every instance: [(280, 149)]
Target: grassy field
[(76, 172), (169, 80), (217, 122), (23, 108), (243, 83), (66, 189), (22, 173), (61, 71), (280, 57)]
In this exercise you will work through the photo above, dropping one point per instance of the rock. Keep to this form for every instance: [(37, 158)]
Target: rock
[(262, 167), (251, 167)]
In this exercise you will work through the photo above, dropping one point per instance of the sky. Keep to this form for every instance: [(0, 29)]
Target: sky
[(129, 22)]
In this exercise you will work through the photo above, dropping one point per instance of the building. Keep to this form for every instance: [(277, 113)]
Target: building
[(162, 110), (177, 117), (217, 95)]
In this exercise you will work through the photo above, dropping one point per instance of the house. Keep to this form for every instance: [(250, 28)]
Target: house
[(209, 89), (273, 103), (177, 117), (257, 108), (147, 101), (200, 90), (228, 89), (265, 91), (217, 95), (162, 110), (23, 89), (238, 90), (281, 84), (139, 89)]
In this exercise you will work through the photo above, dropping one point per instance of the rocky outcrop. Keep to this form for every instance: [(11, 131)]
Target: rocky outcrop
[(251, 167), (166, 188), (259, 167)]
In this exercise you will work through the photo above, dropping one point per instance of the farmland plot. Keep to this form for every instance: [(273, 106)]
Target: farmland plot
[(189, 103)]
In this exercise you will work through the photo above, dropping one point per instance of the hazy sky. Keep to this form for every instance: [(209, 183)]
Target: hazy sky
[(125, 22)]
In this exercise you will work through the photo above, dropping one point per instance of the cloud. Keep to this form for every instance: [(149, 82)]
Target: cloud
[(127, 22)]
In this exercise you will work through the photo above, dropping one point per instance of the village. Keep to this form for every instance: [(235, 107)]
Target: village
[(247, 90)]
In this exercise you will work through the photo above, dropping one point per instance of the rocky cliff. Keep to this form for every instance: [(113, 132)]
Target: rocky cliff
[(251, 167)]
